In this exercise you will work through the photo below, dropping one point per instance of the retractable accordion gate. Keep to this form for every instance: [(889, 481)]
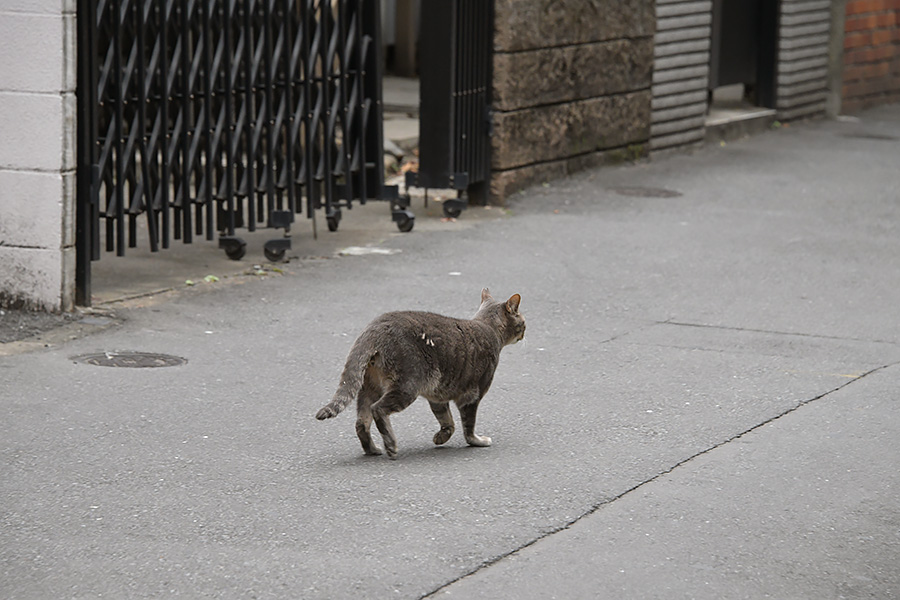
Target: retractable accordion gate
[(199, 117)]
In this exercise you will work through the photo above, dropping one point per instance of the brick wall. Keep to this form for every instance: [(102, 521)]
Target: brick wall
[(871, 53), (571, 87)]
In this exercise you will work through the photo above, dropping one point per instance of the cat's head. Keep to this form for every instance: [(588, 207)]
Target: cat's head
[(505, 315)]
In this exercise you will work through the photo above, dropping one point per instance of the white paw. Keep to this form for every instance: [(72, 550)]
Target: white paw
[(481, 441)]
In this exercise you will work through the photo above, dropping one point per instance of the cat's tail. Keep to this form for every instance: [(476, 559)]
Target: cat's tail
[(351, 380)]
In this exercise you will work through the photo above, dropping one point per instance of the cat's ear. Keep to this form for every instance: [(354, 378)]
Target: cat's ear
[(512, 305), (485, 295)]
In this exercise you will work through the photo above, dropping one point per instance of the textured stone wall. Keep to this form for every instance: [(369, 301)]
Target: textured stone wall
[(571, 87)]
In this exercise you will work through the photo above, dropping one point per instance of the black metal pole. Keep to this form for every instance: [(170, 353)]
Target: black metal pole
[(86, 95), (374, 126)]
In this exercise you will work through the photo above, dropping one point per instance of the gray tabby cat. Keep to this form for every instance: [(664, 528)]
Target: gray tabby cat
[(403, 355)]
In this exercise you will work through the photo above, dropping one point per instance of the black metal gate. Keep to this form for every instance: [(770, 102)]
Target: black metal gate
[(456, 54), (204, 116)]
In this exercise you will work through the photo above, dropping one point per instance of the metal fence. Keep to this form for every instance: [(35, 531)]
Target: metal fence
[(203, 116), (456, 52)]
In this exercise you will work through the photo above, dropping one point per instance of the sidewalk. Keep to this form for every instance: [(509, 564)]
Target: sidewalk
[(704, 404)]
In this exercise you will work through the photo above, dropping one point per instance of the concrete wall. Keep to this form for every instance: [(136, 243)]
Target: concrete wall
[(871, 73), (37, 153), (571, 87)]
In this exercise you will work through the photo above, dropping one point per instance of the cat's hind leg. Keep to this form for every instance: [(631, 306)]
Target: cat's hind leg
[(441, 410), (367, 396), (394, 400), (467, 412)]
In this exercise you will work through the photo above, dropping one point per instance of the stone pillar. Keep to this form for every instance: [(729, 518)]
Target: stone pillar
[(37, 154), (571, 87)]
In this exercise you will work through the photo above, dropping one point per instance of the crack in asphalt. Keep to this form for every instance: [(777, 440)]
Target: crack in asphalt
[(774, 332), (599, 505)]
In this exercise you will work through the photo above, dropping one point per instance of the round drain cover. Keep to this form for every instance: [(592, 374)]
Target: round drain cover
[(646, 192), (132, 360)]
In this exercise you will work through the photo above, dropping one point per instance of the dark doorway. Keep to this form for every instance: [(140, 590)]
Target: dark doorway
[(744, 47)]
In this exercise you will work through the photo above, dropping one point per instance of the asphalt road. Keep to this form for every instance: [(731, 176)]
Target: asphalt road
[(705, 405)]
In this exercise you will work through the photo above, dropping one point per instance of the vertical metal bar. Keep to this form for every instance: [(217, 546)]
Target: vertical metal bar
[(325, 91), (198, 130), (250, 112), (477, 112), (460, 89), (374, 67), (143, 99), (463, 89), (269, 108), (475, 59), (454, 90), (483, 57), (359, 110), (480, 57), (472, 29), (300, 101), (309, 65), (488, 102), (165, 138), (259, 114), (465, 49), (208, 185), (228, 18), (287, 102), (129, 78), (184, 210), (314, 75), (467, 45), (86, 96), (117, 132), (343, 108)]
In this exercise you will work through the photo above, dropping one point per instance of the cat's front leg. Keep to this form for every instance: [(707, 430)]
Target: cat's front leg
[(441, 410), (467, 413)]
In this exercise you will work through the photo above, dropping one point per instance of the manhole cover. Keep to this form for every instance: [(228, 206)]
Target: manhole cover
[(871, 136), (646, 192), (132, 360)]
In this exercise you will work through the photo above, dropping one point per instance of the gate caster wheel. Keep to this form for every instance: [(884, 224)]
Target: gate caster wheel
[(332, 223), (402, 216), (275, 249), (405, 224), (273, 255), (450, 212), (235, 248)]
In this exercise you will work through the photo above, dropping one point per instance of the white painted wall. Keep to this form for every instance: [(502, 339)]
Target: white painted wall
[(37, 153)]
